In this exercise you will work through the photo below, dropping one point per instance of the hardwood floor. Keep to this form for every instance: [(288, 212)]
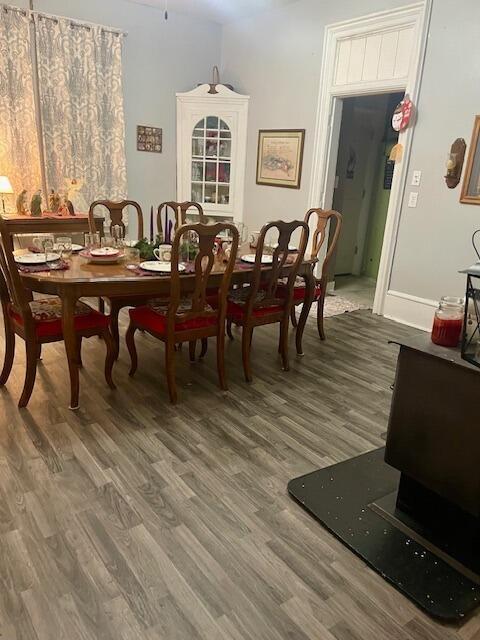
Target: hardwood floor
[(132, 519)]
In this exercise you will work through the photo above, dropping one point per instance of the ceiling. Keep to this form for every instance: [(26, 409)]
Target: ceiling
[(217, 10)]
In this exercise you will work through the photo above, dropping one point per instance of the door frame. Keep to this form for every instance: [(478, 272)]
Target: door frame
[(329, 113)]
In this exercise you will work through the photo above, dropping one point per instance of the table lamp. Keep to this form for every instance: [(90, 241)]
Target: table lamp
[(5, 188)]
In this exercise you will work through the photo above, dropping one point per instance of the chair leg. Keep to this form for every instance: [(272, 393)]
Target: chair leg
[(221, 360), (101, 305), (229, 330), (110, 357), (192, 345), (170, 371), (79, 352), (39, 351), (114, 311), (246, 346), (320, 306), (283, 344), (293, 317), (204, 350), (30, 373), (9, 355), (130, 340)]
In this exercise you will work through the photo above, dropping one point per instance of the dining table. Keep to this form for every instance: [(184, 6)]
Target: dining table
[(86, 280)]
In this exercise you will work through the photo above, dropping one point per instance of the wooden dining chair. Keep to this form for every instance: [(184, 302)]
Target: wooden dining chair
[(187, 315), (179, 211), (116, 210), (117, 303), (261, 302), (40, 321), (318, 238)]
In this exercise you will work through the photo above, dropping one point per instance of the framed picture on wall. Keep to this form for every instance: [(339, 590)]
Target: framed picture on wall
[(471, 180), (279, 157), (149, 139)]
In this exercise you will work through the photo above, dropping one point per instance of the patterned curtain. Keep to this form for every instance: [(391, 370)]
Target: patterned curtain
[(81, 103), (19, 156)]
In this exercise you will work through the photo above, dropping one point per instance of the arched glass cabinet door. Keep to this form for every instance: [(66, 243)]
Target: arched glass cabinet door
[(211, 161)]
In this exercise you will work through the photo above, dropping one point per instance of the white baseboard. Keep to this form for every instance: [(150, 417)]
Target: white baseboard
[(410, 310)]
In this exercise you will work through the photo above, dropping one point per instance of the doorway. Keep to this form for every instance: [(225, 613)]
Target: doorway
[(363, 180)]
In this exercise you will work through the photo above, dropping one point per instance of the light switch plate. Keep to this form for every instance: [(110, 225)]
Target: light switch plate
[(416, 178), (412, 199)]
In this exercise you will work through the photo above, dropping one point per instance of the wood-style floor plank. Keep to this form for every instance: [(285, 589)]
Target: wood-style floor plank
[(130, 519)]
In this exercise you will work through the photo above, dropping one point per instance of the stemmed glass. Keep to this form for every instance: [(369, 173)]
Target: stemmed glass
[(117, 236)]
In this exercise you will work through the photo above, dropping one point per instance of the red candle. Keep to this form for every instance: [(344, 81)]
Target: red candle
[(446, 332)]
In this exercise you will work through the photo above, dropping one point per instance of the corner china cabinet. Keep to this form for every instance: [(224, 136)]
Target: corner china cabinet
[(211, 149)]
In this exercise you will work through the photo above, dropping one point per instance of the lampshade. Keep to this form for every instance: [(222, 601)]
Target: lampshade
[(5, 186)]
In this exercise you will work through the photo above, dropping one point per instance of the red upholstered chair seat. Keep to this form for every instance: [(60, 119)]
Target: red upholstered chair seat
[(153, 316), (299, 289), (236, 311), (47, 315)]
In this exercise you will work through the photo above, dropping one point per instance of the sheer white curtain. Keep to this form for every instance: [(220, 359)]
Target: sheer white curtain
[(81, 104), (19, 154)]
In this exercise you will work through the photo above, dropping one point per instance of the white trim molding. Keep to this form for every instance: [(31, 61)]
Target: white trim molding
[(410, 310), (374, 26)]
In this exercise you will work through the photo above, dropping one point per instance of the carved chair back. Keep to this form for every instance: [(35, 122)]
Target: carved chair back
[(320, 234), (179, 211), (203, 265), (12, 291), (115, 210), (267, 281)]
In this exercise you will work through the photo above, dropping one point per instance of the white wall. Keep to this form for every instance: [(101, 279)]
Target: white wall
[(160, 58), (276, 58), (434, 239)]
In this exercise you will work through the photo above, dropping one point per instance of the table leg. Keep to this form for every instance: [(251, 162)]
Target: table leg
[(71, 346), (307, 305)]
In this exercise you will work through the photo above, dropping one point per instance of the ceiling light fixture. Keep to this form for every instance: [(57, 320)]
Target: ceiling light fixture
[(165, 15)]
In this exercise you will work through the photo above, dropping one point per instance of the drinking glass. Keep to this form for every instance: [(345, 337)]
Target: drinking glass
[(107, 241), (64, 245), (92, 240), (242, 231), (44, 244), (132, 256), (48, 245)]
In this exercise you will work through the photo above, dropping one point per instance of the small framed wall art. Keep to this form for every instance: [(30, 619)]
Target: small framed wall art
[(149, 139), (471, 181), (279, 157)]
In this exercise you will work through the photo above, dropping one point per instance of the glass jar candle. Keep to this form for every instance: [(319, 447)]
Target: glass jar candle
[(448, 322)]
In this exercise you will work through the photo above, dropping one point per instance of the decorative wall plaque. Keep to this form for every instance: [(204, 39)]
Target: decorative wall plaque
[(149, 139)]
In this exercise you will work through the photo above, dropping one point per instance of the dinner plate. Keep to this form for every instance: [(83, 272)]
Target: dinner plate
[(250, 257), (159, 267), (75, 247), (36, 258), (105, 259), (104, 252)]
